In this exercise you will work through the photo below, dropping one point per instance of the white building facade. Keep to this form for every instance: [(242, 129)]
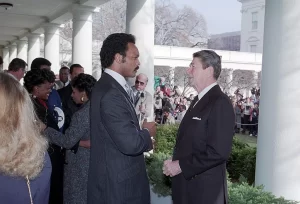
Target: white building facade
[(252, 27)]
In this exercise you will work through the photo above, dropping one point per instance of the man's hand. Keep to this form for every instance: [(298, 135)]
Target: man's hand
[(85, 144), (151, 127), (171, 168), (142, 108)]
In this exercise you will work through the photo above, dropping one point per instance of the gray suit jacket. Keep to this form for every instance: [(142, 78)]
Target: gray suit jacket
[(117, 173), (76, 171)]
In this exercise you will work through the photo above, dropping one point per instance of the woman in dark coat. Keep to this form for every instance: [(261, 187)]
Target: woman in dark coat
[(76, 170), (39, 83), (25, 166)]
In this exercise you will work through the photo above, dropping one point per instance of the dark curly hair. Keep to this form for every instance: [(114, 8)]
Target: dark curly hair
[(116, 43), (38, 62), (37, 77), (84, 82)]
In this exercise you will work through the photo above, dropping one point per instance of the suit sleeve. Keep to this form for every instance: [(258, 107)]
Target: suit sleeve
[(216, 149), (76, 131), (119, 123)]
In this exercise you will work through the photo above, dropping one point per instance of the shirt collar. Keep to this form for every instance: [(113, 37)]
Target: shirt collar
[(118, 77), (67, 83), (204, 91)]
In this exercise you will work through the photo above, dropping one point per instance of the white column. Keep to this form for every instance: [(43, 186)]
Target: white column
[(278, 164), (229, 81), (22, 49), (82, 37), (51, 42), (5, 55), (12, 51), (171, 76), (255, 79), (140, 22), (1, 55), (34, 47)]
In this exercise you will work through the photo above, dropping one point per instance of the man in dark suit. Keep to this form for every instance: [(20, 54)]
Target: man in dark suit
[(117, 173), (68, 105), (204, 140)]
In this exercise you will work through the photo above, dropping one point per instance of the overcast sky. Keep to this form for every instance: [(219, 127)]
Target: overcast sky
[(221, 15)]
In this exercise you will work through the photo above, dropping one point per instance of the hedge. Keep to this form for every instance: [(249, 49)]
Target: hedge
[(240, 166)]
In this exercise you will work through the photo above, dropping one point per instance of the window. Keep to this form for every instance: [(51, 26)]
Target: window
[(253, 48), (254, 20)]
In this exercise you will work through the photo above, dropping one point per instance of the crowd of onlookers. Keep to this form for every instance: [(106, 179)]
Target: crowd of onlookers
[(170, 106), (246, 112)]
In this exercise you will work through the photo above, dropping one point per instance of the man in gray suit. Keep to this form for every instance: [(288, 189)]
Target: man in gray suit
[(143, 99), (117, 173)]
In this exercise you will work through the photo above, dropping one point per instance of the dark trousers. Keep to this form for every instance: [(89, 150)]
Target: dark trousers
[(57, 176), (254, 127), (246, 122)]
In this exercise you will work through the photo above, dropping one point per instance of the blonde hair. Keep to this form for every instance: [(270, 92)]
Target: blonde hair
[(22, 147)]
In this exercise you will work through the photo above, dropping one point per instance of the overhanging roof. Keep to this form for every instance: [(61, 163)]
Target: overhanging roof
[(29, 15)]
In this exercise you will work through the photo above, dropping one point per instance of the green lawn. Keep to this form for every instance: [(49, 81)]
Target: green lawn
[(247, 139)]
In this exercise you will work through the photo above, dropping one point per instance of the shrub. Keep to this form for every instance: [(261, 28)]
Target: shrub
[(238, 193), (241, 162), (161, 184), (246, 194), (165, 139)]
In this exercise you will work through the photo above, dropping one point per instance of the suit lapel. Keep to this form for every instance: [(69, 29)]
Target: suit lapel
[(200, 106), (116, 84)]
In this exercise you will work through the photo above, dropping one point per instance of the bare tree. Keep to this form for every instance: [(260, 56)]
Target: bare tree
[(179, 78), (110, 19), (230, 80), (179, 27)]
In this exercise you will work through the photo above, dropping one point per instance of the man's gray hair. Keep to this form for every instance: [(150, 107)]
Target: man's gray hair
[(210, 58)]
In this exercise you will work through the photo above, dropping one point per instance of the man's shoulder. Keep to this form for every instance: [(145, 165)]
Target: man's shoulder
[(148, 94)]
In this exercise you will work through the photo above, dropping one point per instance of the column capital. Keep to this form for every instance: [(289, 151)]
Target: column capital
[(82, 13), (20, 41), (12, 44), (51, 28), (32, 36)]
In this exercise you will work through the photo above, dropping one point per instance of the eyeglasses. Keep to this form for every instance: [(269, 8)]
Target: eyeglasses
[(139, 82)]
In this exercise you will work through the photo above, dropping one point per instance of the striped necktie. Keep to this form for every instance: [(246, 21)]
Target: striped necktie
[(130, 93)]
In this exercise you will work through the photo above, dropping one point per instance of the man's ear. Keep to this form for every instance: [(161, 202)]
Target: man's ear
[(211, 70), (118, 58)]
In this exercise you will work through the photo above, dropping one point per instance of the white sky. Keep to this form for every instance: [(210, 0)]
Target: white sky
[(221, 15)]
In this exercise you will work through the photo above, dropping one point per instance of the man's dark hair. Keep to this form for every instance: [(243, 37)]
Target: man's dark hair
[(210, 59), (37, 77), (38, 62), (116, 43), (84, 82), (17, 64), (64, 68), (1, 60), (73, 66)]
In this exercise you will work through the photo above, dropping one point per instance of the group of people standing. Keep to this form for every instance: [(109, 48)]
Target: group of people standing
[(96, 134)]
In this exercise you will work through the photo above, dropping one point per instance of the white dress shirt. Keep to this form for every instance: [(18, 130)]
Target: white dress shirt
[(118, 77), (204, 91)]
